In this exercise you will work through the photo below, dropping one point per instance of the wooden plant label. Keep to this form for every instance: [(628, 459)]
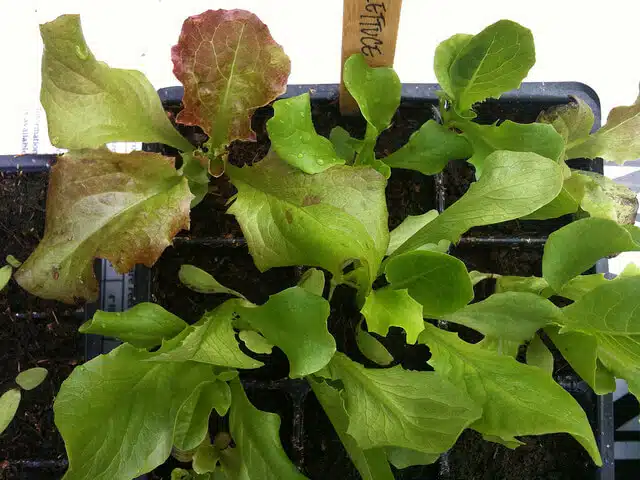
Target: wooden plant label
[(369, 27)]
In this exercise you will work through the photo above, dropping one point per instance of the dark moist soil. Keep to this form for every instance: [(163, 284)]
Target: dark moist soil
[(33, 332)]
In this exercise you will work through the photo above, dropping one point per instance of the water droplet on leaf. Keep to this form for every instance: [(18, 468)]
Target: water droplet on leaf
[(300, 155)]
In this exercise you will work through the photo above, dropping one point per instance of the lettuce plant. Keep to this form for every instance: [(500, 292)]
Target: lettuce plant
[(319, 202)]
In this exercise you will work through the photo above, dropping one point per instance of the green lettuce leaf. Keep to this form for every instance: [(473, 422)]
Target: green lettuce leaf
[(372, 463), (5, 276), (205, 459), (537, 285), (211, 340), (202, 282), (617, 141), (313, 281), (517, 399), (31, 378), (255, 342), (404, 457), (123, 207), (88, 103), (294, 137), (439, 282), (513, 184), (574, 248), (325, 220), (371, 348), (229, 65), (511, 315), (257, 439), (533, 137), (492, 62), (194, 167), (141, 401), (144, 325), (429, 149), (9, 403), (345, 145), (604, 198), (386, 307), (610, 313), (539, 355), (410, 225), (402, 408), (573, 121), (446, 52), (568, 200), (296, 321)]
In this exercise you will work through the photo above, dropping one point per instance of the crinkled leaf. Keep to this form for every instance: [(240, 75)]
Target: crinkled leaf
[(539, 355), (517, 399), (429, 149), (5, 276), (617, 141), (492, 62), (9, 403), (296, 321), (372, 463), (436, 280), (313, 281), (377, 91), (371, 348), (294, 137), (573, 121), (229, 65), (141, 401), (345, 145), (144, 325), (202, 282), (510, 315), (257, 439), (537, 285), (210, 340), (324, 220), (31, 378), (605, 198), (402, 408), (407, 228), (404, 457), (88, 103), (123, 207), (386, 307), (611, 314), (568, 200), (581, 351), (512, 185), (192, 422), (516, 137), (446, 53), (574, 248), (255, 342)]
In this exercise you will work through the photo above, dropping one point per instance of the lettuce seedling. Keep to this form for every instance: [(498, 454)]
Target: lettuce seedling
[(10, 400)]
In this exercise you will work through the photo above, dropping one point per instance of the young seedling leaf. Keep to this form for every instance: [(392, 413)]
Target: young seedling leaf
[(195, 168), (513, 184), (255, 342), (88, 103), (403, 408), (202, 282), (192, 422), (446, 53), (211, 340), (144, 325), (610, 314), (257, 439), (617, 141), (205, 459), (581, 351), (31, 378), (404, 457), (313, 281), (386, 307), (372, 463), (439, 282), (294, 137), (492, 62), (325, 220), (539, 355), (407, 228), (511, 315), (377, 91), (13, 261), (9, 403), (604, 198), (574, 248), (429, 149), (344, 144), (142, 401), (229, 65), (5, 276), (573, 121), (568, 200), (371, 348), (296, 321), (532, 137), (123, 207), (517, 399)]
